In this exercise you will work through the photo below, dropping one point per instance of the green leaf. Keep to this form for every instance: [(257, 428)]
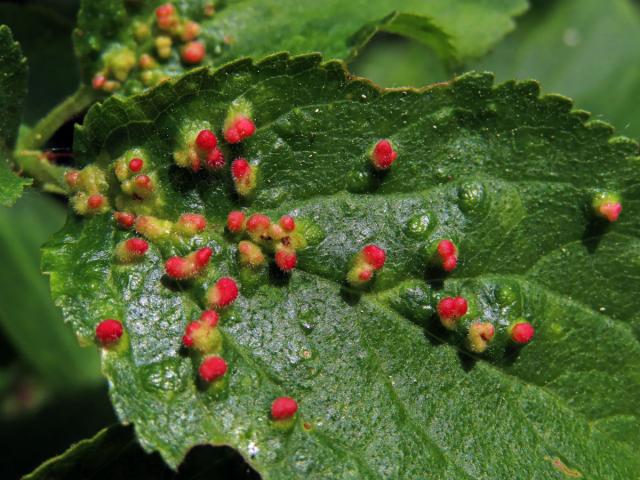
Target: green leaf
[(45, 37), (560, 41), (28, 316), (392, 61), (107, 30), (384, 391), (114, 453), (13, 88)]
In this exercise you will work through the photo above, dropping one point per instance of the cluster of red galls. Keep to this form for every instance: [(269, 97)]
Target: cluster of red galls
[(168, 20), (206, 143), (276, 236), (452, 309), (213, 367)]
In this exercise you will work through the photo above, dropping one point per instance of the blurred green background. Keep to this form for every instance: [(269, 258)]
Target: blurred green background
[(51, 392)]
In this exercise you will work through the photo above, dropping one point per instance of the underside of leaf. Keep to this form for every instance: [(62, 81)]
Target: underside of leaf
[(384, 389)]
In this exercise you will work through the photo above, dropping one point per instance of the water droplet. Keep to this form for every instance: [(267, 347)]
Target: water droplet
[(358, 181), (166, 376), (307, 321), (252, 449), (273, 197), (312, 232), (506, 295), (414, 301), (420, 225), (471, 196)]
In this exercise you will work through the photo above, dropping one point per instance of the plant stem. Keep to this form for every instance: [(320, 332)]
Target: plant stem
[(73, 105), (36, 165), (28, 155)]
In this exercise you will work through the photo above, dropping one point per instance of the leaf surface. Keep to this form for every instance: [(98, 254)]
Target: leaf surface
[(384, 391), (13, 88), (456, 30)]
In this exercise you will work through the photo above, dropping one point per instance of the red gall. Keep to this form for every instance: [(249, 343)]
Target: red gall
[(258, 223), (166, 16), (448, 254), (521, 332), (125, 220), (374, 256), (250, 254), (183, 268), (109, 331), (244, 176), (202, 334), (131, 250), (283, 408), (212, 368), (191, 223), (190, 31), (610, 211), (286, 259), (144, 182), (480, 335), (136, 164), (72, 177), (235, 221), (206, 140), (193, 53), (607, 205), (98, 81), (287, 223), (450, 309), (202, 257), (223, 293), (240, 169), (238, 129), (96, 201), (215, 159), (383, 155)]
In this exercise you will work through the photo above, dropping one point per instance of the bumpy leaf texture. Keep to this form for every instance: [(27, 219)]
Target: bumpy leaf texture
[(384, 391), (128, 46), (13, 89)]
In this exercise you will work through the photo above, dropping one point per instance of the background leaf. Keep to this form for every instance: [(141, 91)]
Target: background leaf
[(455, 30), (45, 37), (383, 391), (583, 48), (28, 316), (13, 85)]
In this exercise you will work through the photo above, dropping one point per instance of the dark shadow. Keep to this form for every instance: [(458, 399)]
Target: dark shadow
[(277, 277), (350, 295), (435, 332), (593, 233), (437, 335), (434, 277), (467, 362), (30, 439), (206, 461), (377, 177), (175, 285), (511, 353)]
